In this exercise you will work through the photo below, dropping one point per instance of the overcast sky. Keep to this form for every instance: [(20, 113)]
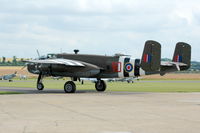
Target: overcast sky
[(97, 26)]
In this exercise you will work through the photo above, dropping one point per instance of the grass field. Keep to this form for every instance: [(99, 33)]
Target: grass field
[(8, 92), (116, 86)]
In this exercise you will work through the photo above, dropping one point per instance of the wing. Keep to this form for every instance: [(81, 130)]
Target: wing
[(66, 62)]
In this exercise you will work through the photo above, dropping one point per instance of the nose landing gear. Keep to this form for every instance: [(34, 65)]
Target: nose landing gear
[(40, 85)]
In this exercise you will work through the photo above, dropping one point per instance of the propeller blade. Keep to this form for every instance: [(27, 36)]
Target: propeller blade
[(24, 66), (38, 53)]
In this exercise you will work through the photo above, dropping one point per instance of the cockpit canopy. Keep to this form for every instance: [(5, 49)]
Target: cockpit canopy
[(51, 56), (48, 56)]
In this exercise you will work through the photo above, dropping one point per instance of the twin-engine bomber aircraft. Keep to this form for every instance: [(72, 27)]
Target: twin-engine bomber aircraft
[(79, 66)]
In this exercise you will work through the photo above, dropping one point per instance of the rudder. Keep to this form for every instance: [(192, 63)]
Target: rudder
[(151, 56), (182, 54)]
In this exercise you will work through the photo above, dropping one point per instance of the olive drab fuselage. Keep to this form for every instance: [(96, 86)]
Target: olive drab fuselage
[(96, 66)]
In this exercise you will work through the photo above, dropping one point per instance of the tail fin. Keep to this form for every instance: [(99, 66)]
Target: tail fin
[(151, 56), (183, 54)]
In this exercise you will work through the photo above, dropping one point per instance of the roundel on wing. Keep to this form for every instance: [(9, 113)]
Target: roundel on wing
[(128, 67)]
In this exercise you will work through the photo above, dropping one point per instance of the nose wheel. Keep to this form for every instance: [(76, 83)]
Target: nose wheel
[(100, 85), (40, 85)]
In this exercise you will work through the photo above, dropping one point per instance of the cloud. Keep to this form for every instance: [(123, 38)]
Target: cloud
[(97, 26)]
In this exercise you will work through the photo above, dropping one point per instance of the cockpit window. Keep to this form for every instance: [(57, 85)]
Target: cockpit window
[(50, 56)]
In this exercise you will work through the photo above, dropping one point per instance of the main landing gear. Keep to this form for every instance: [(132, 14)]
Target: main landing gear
[(100, 85), (70, 86)]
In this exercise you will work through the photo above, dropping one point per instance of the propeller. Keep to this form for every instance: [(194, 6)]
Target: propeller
[(38, 54), (26, 63), (24, 67)]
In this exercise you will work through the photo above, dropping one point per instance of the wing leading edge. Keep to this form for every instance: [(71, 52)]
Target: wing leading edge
[(66, 62)]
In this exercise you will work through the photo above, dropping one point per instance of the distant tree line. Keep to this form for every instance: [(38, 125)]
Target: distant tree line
[(195, 67), (12, 62)]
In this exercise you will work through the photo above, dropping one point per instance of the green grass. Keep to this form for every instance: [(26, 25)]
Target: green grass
[(158, 87), (116, 86), (8, 92)]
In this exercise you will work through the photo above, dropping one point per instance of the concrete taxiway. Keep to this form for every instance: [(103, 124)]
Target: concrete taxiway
[(91, 112)]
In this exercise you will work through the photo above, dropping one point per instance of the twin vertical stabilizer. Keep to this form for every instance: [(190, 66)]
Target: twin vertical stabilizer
[(182, 54), (151, 58)]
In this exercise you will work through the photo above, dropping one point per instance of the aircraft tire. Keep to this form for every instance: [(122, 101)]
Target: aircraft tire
[(40, 86), (69, 87), (100, 86)]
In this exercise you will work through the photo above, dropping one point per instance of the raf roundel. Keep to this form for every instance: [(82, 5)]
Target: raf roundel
[(128, 67)]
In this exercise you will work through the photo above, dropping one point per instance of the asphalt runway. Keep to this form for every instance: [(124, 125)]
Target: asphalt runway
[(60, 91), (52, 111)]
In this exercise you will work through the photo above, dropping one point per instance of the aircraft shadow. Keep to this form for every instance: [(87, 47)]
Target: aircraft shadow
[(60, 91), (47, 91)]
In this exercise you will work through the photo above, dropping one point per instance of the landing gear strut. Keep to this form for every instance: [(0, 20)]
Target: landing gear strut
[(70, 87), (100, 85), (40, 85)]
